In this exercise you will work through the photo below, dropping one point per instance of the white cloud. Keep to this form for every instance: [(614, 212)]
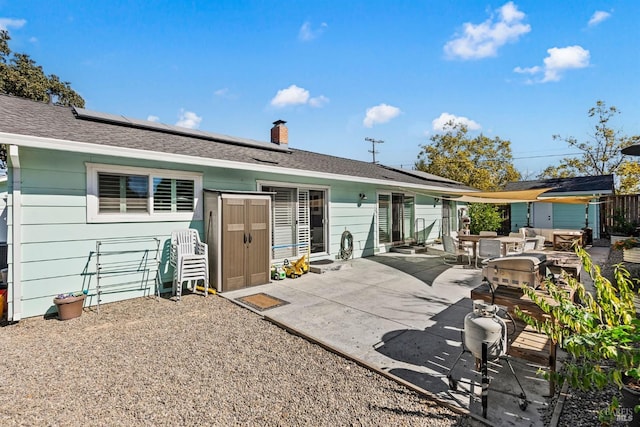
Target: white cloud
[(5, 23), (559, 60), (484, 40), (318, 101), (307, 33), (380, 114), (221, 92), (439, 123), (152, 118), (598, 17), (294, 95), (188, 119)]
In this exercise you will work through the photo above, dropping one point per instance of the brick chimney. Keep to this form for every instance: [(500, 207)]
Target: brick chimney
[(279, 133)]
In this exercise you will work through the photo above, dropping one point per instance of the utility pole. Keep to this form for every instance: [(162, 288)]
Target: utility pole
[(373, 146)]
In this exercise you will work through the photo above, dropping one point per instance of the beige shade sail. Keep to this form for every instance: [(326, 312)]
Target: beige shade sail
[(501, 196), (520, 196), (574, 200)]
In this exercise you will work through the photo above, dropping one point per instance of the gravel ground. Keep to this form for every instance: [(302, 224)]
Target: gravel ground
[(202, 361)]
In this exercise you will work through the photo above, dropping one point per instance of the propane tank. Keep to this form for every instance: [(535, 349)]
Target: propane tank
[(484, 325)]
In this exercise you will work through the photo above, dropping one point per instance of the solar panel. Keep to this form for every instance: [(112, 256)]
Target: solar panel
[(84, 114)]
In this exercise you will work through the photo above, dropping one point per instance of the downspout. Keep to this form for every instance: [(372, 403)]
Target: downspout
[(15, 272)]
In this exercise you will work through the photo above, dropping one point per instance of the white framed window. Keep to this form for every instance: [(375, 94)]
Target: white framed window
[(132, 194)]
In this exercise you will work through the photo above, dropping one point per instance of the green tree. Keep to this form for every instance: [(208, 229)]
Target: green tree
[(479, 162), (21, 76), (601, 154)]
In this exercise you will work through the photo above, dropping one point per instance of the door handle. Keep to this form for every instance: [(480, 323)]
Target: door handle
[(250, 238), (245, 238)]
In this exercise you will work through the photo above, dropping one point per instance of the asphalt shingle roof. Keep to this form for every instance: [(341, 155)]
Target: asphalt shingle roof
[(26, 117), (602, 184)]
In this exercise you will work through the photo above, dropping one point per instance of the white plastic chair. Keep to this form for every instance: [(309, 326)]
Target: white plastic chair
[(451, 249), (488, 233), (516, 248), (529, 244), (190, 260)]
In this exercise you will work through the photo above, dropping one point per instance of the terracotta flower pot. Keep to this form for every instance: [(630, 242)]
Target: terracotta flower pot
[(69, 307)]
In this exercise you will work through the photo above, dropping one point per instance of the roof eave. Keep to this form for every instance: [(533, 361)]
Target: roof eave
[(108, 150)]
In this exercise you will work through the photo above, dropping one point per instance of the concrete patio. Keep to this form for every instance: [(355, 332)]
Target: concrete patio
[(402, 314)]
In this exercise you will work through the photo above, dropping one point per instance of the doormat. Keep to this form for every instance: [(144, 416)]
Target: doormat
[(262, 301), (322, 262)]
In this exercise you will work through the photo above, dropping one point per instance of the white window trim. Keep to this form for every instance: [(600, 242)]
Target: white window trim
[(94, 216)]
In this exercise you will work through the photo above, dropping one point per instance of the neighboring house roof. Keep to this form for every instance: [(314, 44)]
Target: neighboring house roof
[(602, 184), (134, 138)]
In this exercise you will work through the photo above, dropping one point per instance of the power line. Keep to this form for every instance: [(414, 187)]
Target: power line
[(546, 155)]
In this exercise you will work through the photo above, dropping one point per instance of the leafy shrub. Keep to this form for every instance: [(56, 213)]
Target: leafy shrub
[(484, 217), (600, 332)]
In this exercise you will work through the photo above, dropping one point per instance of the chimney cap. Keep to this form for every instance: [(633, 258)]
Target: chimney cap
[(279, 122)]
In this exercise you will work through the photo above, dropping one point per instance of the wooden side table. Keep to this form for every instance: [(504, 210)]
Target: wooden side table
[(564, 240)]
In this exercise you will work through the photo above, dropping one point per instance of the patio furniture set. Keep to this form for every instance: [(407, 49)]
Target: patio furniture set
[(508, 262)]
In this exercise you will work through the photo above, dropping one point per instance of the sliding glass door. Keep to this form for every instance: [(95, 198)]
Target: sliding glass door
[(299, 221), (396, 218)]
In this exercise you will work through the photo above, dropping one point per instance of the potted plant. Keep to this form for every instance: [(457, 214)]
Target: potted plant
[(69, 305), (600, 332), (622, 228), (630, 249)]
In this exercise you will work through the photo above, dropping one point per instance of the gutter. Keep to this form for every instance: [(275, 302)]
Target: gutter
[(15, 272)]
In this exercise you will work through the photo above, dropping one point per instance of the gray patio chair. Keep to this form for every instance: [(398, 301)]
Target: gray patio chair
[(489, 248), (451, 249)]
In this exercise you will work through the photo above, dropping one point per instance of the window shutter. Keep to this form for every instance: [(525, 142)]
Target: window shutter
[(122, 193), (304, 230), (173, 195), (384, 218), (283, 223)]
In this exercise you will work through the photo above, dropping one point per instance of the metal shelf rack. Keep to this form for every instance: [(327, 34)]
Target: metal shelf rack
[(127, 264)]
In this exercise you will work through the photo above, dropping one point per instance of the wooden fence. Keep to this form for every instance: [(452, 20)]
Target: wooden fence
[(618, 213)]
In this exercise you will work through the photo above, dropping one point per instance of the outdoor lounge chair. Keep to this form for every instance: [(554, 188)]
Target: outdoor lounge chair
[(190, 260)]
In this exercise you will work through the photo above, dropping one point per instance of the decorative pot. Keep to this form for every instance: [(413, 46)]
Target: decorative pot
[(630, 398), (631, 255), (69, 307)]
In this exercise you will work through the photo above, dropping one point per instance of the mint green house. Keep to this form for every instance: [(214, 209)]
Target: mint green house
[(92, 200), (557, 215)]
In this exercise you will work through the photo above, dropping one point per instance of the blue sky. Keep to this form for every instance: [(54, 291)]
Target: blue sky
[(342, 71)]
